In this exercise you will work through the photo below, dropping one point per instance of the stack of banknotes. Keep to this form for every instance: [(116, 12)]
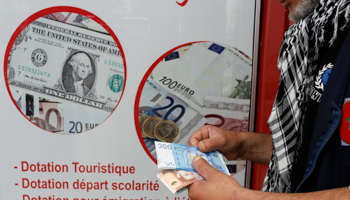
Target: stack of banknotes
[(175, 160)]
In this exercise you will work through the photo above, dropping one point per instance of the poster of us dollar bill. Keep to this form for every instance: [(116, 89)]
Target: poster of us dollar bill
[(77, 68)]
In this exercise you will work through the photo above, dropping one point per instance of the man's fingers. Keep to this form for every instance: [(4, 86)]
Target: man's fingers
[(203, 167), (192, 141), (197, 136), (213, 143), (195, 190)]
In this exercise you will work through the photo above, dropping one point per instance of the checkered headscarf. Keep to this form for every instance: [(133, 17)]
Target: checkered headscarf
[(298, 52)]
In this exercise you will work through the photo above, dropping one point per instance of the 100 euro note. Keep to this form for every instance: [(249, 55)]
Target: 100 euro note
[(177, 156), (208, 69), (169, 61), (42, 62)]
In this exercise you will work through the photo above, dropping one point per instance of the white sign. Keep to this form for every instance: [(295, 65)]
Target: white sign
[(89, 150)]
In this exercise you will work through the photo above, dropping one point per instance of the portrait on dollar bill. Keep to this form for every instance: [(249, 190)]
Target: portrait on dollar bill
[(78, 74)]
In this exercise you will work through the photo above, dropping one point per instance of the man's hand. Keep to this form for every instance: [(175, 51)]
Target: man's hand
[(216, 185), (256, 147), (209, 138)]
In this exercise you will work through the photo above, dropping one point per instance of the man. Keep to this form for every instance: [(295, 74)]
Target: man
[(81, 68), (307, 156)]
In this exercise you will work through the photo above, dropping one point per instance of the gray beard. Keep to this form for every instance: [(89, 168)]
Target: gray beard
[(303, 9)]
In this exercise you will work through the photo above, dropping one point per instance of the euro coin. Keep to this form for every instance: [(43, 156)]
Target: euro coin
[(149, 125), (167, 131), (142, 119)]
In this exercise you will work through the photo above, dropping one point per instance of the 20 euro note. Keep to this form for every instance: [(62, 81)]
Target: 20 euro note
[(172, 108), (177, 156), (169, 118), (42, 59)]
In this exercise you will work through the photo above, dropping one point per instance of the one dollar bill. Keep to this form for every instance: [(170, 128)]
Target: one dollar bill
[(67, 64)]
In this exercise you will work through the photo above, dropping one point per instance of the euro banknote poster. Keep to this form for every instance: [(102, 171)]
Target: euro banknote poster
[(88, 88)]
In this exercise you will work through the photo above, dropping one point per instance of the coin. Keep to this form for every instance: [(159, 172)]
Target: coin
[(149, 125), (167, 131), (142, 119)]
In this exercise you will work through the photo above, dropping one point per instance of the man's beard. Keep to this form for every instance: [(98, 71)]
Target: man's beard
[(303, 9)]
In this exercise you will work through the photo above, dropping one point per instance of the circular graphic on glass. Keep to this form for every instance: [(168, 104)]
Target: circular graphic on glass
[(190, 86), (66, 72)]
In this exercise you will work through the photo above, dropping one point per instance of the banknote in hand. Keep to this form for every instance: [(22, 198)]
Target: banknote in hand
[(177, 180), (177, 156)]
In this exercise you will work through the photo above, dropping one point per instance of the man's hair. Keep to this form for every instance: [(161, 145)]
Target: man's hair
[(76, 59), (303, 9)]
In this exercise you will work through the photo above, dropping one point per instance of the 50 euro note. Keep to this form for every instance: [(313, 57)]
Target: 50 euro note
[(209, 69), (65, 119), (46, 60), (227, 113), (179, 157)]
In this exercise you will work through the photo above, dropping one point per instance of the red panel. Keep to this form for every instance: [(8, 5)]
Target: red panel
[(274, 23)]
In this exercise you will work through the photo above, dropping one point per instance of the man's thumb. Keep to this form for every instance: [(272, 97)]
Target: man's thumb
[(203, 167)]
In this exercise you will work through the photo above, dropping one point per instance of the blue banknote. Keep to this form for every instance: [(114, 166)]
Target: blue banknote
[(177, 156)]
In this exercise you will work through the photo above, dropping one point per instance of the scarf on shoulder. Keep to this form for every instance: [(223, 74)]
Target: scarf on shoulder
[(298, 52)]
